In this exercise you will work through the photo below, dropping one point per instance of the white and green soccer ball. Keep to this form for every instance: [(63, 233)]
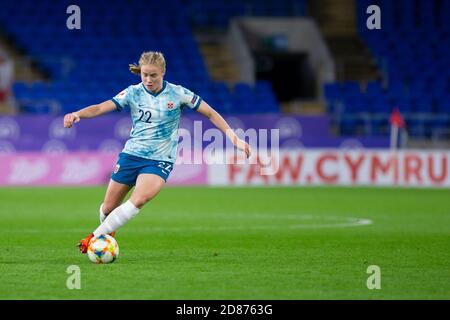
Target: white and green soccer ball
[(103, 249)]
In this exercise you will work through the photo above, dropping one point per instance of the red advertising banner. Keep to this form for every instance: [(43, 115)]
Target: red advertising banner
[(412, 168)]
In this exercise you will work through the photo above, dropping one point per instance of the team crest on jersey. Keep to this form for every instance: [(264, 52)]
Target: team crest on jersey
[(170, 105), (117, 168)]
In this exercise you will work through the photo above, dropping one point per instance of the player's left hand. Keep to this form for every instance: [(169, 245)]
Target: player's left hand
[(244, 146)]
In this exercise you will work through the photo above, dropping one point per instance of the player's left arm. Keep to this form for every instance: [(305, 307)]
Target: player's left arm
[(206, 110)]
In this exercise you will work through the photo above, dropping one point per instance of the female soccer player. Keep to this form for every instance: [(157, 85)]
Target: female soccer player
[(150, 152)]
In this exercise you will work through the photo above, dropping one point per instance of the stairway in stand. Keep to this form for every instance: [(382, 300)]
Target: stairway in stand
[(24, 68), (217, 56), (337, 21)]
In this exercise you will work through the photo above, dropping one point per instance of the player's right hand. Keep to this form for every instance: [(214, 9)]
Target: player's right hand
[(70, 119)]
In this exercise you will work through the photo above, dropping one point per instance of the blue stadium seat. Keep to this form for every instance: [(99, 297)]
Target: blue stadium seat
[(423, 105), (355, 104), (443, 105), (381, 105), (405, 105), (332, 91), (351, 89), (373, 89)]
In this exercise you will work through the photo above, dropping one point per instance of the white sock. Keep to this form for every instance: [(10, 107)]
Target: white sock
[(117, 218), (102, 215)]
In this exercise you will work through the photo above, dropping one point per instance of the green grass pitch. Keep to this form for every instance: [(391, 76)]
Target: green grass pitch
[(232, 243)]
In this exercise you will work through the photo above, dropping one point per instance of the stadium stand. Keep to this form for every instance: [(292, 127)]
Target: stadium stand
[(218, 13), (412, 51), (91, 64)]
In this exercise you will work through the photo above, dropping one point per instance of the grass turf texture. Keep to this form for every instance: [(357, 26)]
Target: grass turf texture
[(231, 243)]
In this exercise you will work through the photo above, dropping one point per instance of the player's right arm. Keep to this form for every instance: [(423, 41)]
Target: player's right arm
[(89, 112)]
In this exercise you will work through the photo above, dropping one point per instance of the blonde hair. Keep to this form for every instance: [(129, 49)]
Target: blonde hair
[(149, 57)]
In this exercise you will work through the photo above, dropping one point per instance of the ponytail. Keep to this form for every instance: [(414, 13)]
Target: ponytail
[(149, 57)]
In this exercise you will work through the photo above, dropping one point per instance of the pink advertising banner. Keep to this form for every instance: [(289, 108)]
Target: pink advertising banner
[(78, 168)]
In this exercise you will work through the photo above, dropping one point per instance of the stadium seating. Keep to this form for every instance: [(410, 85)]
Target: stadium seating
[(91, 64), (218, 13), (412, 50)]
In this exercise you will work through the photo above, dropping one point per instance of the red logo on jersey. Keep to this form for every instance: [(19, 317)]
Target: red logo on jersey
[(170, 105)]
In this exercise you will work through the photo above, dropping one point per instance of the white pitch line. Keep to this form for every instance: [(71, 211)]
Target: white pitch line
[(341, 222), (350, 223)]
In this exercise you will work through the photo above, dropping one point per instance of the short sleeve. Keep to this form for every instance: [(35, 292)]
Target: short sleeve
[(190, 99), (122, 99)]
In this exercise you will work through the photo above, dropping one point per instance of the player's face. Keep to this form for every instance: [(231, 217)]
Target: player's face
[(152, 77)]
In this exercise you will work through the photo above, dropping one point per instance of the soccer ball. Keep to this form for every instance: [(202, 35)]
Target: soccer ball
[(103, 249)]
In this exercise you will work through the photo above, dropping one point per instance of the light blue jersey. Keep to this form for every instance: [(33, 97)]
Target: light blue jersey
[(155, 117)]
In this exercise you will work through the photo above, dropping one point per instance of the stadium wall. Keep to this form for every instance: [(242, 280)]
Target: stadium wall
[(315, 167)]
